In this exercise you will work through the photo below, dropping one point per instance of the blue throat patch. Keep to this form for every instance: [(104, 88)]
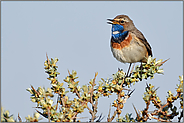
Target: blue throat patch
[(118, 32)]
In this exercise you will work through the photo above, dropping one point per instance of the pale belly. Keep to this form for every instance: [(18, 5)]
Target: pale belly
[(135, 52)]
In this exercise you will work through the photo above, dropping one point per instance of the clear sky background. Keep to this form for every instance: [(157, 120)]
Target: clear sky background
[(78, 34)]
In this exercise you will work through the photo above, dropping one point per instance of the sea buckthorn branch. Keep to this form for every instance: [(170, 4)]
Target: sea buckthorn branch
[(69, 109), (6, 117), (94, 105), (162, 111), (107, 87)]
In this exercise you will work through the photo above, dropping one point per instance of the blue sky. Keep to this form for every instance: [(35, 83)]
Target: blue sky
[(77, 34)]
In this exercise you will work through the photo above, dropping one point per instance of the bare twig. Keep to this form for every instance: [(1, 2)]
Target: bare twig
[(138, 117), (90, 111), (47, 58), (108, 118), (5, 118), (74, 116), (94, 106), (155, 89), (35, 90), (77, 93), (162, 62), (118, 107), (130, 93), (156, 111), (163, 107), (156, 103), (57, 102), (81, 117), (48, 114), (113, 116), (159, 119), (96, 103)]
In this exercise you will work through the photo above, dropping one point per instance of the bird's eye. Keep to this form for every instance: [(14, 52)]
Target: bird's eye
[(122, 21)]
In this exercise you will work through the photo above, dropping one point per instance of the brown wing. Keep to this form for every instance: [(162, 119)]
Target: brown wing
[(144, 41)]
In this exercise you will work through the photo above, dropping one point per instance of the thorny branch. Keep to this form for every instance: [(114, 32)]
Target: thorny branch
[(113, 116), (108, 118), (94, 105), (121, 99), (160, 109), (118, 110), (48, 114)]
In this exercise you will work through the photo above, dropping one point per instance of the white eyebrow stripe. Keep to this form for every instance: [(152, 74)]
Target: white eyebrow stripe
[(117, 19)]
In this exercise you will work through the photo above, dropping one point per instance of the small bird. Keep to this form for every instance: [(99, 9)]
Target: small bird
[(128, 44)]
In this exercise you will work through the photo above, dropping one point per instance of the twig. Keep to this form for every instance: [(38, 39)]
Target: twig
[(69, 72), (90, 111), (74, 116), (130, 93), (146, 110), (156, 89), (63, 102), (156, 111), (122, 82), (159, 106), (80, 117), (138, 117), (163, 107), (147, 104), (118, 108), (162, 62), (57, 102), (94, 106), (35, 91), (108, 118), (113, 116), (156, 103), (48, 113), (96, 103), (77, 93), (159, 119), (5, 118), (47, 58)]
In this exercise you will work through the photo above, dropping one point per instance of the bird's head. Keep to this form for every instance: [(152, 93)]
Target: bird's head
[(121, 23)]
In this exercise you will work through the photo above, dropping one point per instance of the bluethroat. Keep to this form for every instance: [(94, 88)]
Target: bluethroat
[(128, 44)]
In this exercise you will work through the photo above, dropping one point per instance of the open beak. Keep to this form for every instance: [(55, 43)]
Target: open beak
[(112, 21)]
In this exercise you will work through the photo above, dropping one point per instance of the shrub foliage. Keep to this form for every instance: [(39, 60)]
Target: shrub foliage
[(67, 110)]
